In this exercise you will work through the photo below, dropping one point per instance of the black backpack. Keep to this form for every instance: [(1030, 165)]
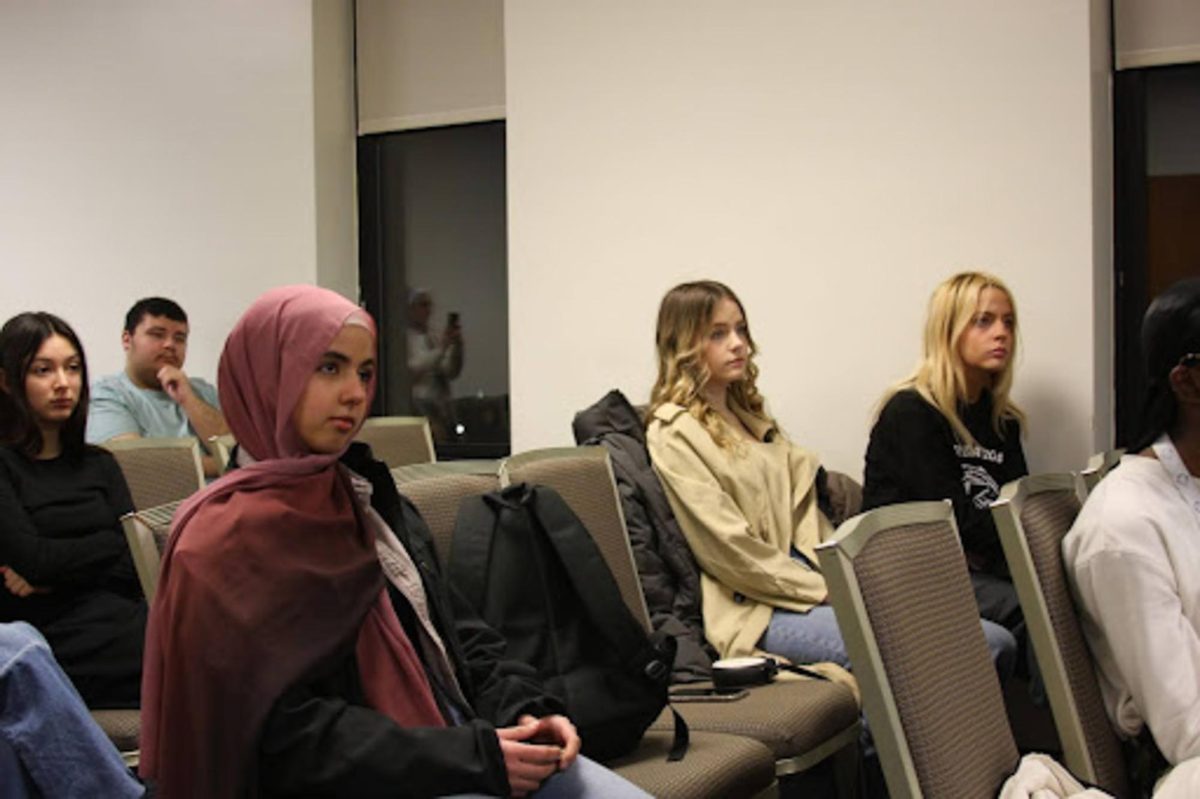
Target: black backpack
[(532, 571)]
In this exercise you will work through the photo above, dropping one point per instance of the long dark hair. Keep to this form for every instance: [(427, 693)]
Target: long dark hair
[(1170, 330), (20, 339)]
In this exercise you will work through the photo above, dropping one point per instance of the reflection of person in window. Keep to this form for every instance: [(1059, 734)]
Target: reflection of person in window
[(433, 361)]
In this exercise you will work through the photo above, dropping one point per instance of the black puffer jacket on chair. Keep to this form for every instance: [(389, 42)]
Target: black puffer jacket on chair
[(669, 575)]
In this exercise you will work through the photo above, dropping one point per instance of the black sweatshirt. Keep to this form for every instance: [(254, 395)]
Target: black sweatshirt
[(914, 455), (60, 529)]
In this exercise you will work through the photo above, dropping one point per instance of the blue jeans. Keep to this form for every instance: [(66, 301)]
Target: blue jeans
[(49, 744), (814, 636), (585, 779)]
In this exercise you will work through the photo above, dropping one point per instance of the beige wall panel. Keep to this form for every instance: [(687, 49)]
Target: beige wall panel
[(335, 140), (423, 63), (1155, 32)]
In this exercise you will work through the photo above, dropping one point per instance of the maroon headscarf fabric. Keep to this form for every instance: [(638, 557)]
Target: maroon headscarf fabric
[(269, 573)]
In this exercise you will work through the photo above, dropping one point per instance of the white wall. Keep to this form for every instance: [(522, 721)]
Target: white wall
[(155, 147), (833, 163)]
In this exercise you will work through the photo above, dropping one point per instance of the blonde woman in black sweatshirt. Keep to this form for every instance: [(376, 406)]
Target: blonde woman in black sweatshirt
[(950, 430)]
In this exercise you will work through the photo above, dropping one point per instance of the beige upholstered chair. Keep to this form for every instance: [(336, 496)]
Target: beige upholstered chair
[(399, 440), (124, 729), (899, 585), (716, 765), (845, 495), (802, 722), (438, 488), (159, 470), (221, 448), (1099, 465), (1033, 515), (146, 533)]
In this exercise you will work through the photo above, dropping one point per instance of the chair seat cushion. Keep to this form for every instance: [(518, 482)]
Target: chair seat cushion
[(717, 766), (123, 727), (791, 717)]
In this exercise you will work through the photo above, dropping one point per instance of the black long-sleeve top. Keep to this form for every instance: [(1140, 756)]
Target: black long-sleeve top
[(321, 738), (60, 530), (913, 454)]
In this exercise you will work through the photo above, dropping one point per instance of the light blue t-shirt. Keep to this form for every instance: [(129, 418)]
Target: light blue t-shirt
[(119, 407)]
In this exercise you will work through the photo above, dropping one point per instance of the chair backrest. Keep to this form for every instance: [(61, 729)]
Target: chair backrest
[(399, 440), (583, 477), (159, 470), (221, 448), (899, 585), (1032, 516), (438, 488), (1099, 465), (845, 494), (146, 533)]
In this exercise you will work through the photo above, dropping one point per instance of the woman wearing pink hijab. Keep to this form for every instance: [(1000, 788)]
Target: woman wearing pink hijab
[(302, 641)]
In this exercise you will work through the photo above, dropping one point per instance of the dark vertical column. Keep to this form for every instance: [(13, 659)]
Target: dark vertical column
[(1130, 246), (371, 251)]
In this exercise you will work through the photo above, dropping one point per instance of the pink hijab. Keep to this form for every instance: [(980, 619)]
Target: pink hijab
[(270, 573)]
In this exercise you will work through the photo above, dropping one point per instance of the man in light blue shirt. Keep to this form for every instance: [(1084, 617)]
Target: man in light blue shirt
[(153, 397)]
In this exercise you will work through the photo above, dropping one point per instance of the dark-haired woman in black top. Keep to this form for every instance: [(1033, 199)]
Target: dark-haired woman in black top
[(65, 565)]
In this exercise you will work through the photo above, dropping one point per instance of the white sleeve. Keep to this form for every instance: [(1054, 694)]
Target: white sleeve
[(1135, 601)]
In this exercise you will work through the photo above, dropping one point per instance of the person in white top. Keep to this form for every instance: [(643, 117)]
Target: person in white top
[(433, 361), (1133, 555)]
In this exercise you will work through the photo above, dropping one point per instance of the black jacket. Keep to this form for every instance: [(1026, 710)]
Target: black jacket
[(321, 739), (668, 572)]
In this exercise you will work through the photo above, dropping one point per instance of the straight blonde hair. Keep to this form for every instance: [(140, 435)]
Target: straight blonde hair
[(941, 378), (684, 319)]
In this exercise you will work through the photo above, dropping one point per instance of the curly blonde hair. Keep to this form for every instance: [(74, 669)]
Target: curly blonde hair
[(940, 378), (684, 320)]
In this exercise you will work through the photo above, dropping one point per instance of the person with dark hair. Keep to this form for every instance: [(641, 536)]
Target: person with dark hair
[(65, 565), (153, 397), (1133, 555)]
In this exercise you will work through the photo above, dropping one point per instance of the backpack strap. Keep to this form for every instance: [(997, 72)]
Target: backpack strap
[(679, 744), (471, 547), (598, 590), (589, 572)]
